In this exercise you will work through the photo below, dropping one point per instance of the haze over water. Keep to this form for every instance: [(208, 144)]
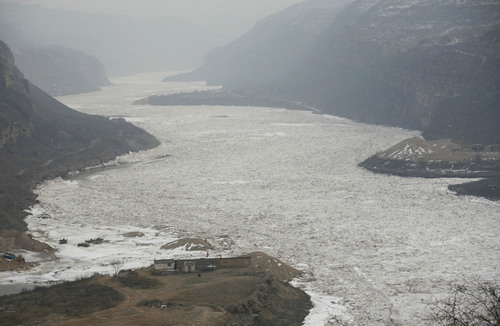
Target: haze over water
[(286, 183)]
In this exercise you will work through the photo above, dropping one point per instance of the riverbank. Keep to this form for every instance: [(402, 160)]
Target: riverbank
[(41, 139), (226, 98), (255, 295)]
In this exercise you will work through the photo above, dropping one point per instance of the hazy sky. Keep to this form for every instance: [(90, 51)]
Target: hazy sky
[(254, 9)]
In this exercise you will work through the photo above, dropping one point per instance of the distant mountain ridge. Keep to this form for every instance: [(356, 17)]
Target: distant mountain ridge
[(41, 138), (262, 55), (419, 64), (60, 71), (125, 45)]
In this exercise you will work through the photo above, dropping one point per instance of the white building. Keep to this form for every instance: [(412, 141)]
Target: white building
[(166, 265)]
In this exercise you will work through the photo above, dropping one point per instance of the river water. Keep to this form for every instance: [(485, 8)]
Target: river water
[(378, 248)]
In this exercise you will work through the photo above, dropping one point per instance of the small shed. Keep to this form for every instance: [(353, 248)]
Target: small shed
[(189, 266), (166, 265)]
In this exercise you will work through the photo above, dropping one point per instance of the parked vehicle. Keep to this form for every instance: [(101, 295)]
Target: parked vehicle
[(95, 241), (9, 255)]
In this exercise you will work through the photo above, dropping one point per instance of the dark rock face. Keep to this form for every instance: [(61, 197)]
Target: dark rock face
[(17, 109), (60, 71), (420, 64), (41, 138)]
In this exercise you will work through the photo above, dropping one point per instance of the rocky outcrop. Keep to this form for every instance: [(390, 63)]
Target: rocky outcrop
[(419, 64), (416, 157), (16, 110), (42, 138), (60, 71)]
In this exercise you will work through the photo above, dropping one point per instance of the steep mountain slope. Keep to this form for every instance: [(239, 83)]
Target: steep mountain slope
[(60, 71), (421, 64), (42, 138), (267, 51)]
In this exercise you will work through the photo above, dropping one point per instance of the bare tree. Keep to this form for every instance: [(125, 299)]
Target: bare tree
[(475, 304), (117, 264)]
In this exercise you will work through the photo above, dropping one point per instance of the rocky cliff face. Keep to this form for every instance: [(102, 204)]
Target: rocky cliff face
[(60, 71), (420, 64), (16, 110), (42, 138)]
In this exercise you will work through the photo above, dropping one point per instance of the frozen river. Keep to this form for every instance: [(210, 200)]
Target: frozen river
[(379, 248)]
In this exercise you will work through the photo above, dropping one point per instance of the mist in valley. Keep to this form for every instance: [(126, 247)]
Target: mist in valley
[(133, 36), (325, 133)]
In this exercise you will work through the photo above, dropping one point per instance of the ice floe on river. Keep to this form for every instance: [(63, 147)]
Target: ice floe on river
[(376, 249)]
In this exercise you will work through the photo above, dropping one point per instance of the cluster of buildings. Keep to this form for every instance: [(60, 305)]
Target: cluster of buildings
[(200, 264)]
